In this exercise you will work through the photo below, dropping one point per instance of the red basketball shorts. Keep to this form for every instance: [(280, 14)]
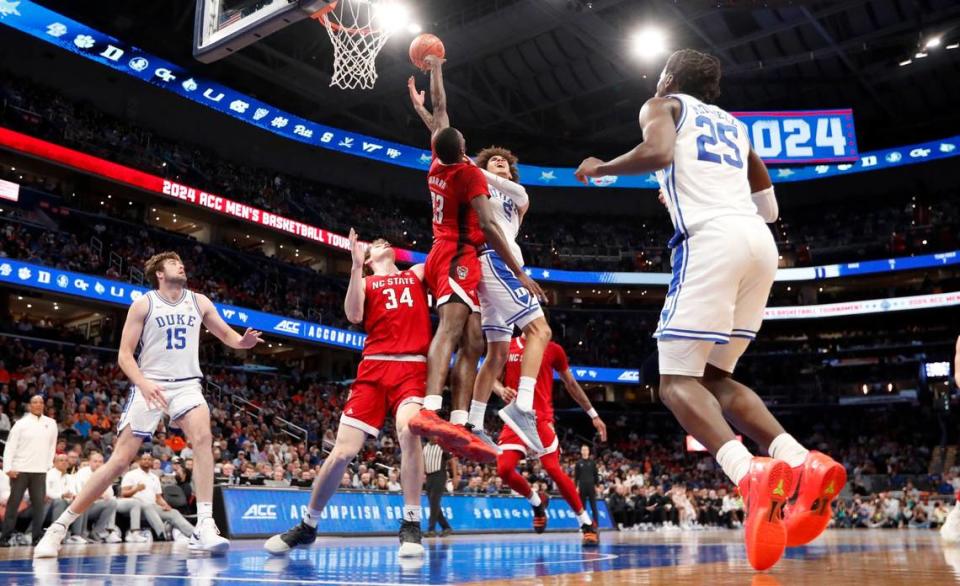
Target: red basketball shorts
[(453, 270), (383, 386)]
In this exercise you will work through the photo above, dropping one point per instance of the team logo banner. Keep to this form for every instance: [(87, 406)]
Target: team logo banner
[(262, 512), (822, 137)]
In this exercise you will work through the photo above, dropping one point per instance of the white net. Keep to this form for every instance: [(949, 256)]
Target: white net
[(358, 30)]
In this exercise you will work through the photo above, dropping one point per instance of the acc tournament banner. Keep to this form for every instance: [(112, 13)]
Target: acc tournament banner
[(795, 137), (261, 512), (36, 147)]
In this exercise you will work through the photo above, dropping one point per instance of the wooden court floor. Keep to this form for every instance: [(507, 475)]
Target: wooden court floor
[(712, 558)]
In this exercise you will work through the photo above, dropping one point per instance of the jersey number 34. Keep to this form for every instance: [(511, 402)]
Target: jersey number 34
[(393, 302)]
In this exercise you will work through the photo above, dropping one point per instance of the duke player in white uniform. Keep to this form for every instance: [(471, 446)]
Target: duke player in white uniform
[(166, 378), (719, 195), (504, 301)]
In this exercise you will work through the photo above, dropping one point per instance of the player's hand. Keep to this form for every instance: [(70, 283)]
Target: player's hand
[(13, 474), (417, 97), (357, 254), (661, 198), (153, 395), (508, 394), (250, 338), (588, 168), (601, 428), (532, 287), (433, 62)]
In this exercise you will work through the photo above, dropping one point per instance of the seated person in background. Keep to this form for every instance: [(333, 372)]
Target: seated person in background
[(140, 483), (61, 490), (103, 511)]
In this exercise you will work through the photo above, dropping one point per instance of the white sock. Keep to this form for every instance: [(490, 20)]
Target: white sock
[(534, 499), (477, 411), (67, 517), (458, 417), (525, 393), (584, 518), (785, 447), (312, 517), (204, 511), (412, 513), (433, 402), (734, 458)]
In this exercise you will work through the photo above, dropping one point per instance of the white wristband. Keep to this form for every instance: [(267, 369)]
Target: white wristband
[(592, 413)]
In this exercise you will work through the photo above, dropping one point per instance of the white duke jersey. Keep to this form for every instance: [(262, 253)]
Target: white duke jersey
[(506, 212), (170, 342), (708, 175)]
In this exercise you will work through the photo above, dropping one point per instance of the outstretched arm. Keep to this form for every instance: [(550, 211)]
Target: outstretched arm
[(219, 328), (356, 290), (658, 123), (438, 96), (576, 391)]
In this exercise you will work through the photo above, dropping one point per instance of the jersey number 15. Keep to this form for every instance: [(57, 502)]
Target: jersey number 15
[(393, 302), (176, 338)]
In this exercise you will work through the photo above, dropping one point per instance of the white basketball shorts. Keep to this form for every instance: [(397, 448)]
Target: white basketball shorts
[(504, 302), (722, 276), (143, 420)]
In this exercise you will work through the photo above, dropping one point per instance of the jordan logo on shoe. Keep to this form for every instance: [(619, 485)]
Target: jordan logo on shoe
[(779, 491)]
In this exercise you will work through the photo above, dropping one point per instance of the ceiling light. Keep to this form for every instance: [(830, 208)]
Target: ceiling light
[(920, 55), (414, 28), (933, 42), (953, 46), (648, 43), (905, 63)]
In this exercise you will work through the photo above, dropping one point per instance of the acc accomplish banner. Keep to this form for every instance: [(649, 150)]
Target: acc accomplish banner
[(29, 145), (786, 136), (117, 292), (261, 512)]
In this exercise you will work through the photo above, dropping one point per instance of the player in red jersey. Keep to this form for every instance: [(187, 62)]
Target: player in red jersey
[(462, 221), (554, 359), (392, 305)]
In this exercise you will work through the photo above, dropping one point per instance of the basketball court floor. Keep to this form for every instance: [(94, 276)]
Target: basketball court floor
[(874, 557)]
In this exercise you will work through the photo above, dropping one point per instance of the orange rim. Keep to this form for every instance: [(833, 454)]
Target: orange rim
[(321, 17)]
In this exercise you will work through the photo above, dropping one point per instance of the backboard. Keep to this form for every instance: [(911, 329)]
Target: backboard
[(224, 26)]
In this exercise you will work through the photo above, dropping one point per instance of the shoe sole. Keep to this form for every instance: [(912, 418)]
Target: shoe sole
[(765, 534), (477, 450), (411, 550), (519, 431), (812, 522), (218, 548), (448, 436)]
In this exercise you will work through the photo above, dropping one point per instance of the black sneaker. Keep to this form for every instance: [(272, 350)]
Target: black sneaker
[(590, 536), (410, 540), (446, 532), (299, 536)]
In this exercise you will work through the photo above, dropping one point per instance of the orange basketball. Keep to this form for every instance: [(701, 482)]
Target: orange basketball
[(423, 45)]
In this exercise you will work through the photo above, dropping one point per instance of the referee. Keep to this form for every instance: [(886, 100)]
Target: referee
[(26, 458), (587, 477), (435, 462)]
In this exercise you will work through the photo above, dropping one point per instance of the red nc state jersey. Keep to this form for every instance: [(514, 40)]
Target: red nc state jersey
[(396, 315), (554, 359), (452, 187)]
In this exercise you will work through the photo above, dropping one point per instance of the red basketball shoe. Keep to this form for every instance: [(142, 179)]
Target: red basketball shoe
[(821, 480), (452, 438), (764, 492)]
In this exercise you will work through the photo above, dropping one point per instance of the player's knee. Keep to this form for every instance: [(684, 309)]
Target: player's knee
[(540, 329), (472, 346), (202, 439), (669, 391), (343, 454), (497, 356)]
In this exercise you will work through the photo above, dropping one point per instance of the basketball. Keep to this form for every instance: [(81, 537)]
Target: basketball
[(423, 45)]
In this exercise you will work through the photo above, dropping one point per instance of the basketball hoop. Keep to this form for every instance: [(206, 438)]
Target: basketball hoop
[(358, 29)]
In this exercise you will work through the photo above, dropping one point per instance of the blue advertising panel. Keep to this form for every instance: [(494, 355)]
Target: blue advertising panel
[(822, 137), (262, 512)]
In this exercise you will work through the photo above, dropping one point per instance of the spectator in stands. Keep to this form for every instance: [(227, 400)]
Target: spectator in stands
[(142, 484), (61, 490), (104, 510), (27, 456)]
